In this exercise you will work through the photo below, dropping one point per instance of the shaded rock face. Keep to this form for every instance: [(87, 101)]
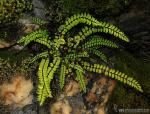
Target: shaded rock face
[(135, 22), (38, 8)]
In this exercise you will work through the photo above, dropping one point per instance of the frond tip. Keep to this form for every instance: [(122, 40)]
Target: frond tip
[(98, 68)]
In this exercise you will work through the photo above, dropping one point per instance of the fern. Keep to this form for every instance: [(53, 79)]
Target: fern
[(68, 52), (73, 56), (44, 41), (39, 21), (96, 41), (76, 19), (41, 55), (62, 76), (42, 92), (81, 80), (88, 31), (53, 67), (33, 36), (99, 54), (89, 20), (98, 68)]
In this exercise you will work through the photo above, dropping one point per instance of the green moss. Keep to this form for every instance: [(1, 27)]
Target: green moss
[(99, 7), (15, 62), (127, 98), (58, 10), (12, 10), (136, 67)]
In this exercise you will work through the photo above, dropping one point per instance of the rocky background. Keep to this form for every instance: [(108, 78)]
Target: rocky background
[(104, 95)]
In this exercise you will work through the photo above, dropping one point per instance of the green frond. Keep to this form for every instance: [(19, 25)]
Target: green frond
[(98, 68), (39, 21), (45, 76), (80, 79), (76, 19), (99, 41), (76, 67), (99, 54), (58, 42), (113, 30), (73, 56), (42, 94), (43, 86), (45, 73), (33, 36), (53, 67), (87, 31), (62, 76), (41, 55), (44, 41), (89, 20)]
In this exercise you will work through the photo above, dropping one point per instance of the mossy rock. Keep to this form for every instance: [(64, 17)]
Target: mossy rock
[(125, 97), (12, 10), (12, 62), (57, 10)]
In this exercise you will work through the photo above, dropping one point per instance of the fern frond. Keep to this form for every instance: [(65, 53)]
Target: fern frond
[(98, 68), (58, 42), (44, 41), (76, 67), (73, 56), (42, 94), (80, 76), (53, 67), (43, 87), (89, 20), (87, 31), (113, 30), (76, 19), (81, 80), (62, 76), (98, 53), (46, 74), (99, 41), (41, 55), (39, 21), (33, 36)]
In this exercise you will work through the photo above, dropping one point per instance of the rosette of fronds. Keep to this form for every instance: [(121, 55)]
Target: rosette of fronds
[(72, 54)]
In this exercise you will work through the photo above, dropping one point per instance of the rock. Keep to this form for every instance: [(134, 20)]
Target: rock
[(17, 93), (4, 44), (61, 107), (73, 101), (99, 94), (28, 28), (72, 88), (38, 8), (101, 110)]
